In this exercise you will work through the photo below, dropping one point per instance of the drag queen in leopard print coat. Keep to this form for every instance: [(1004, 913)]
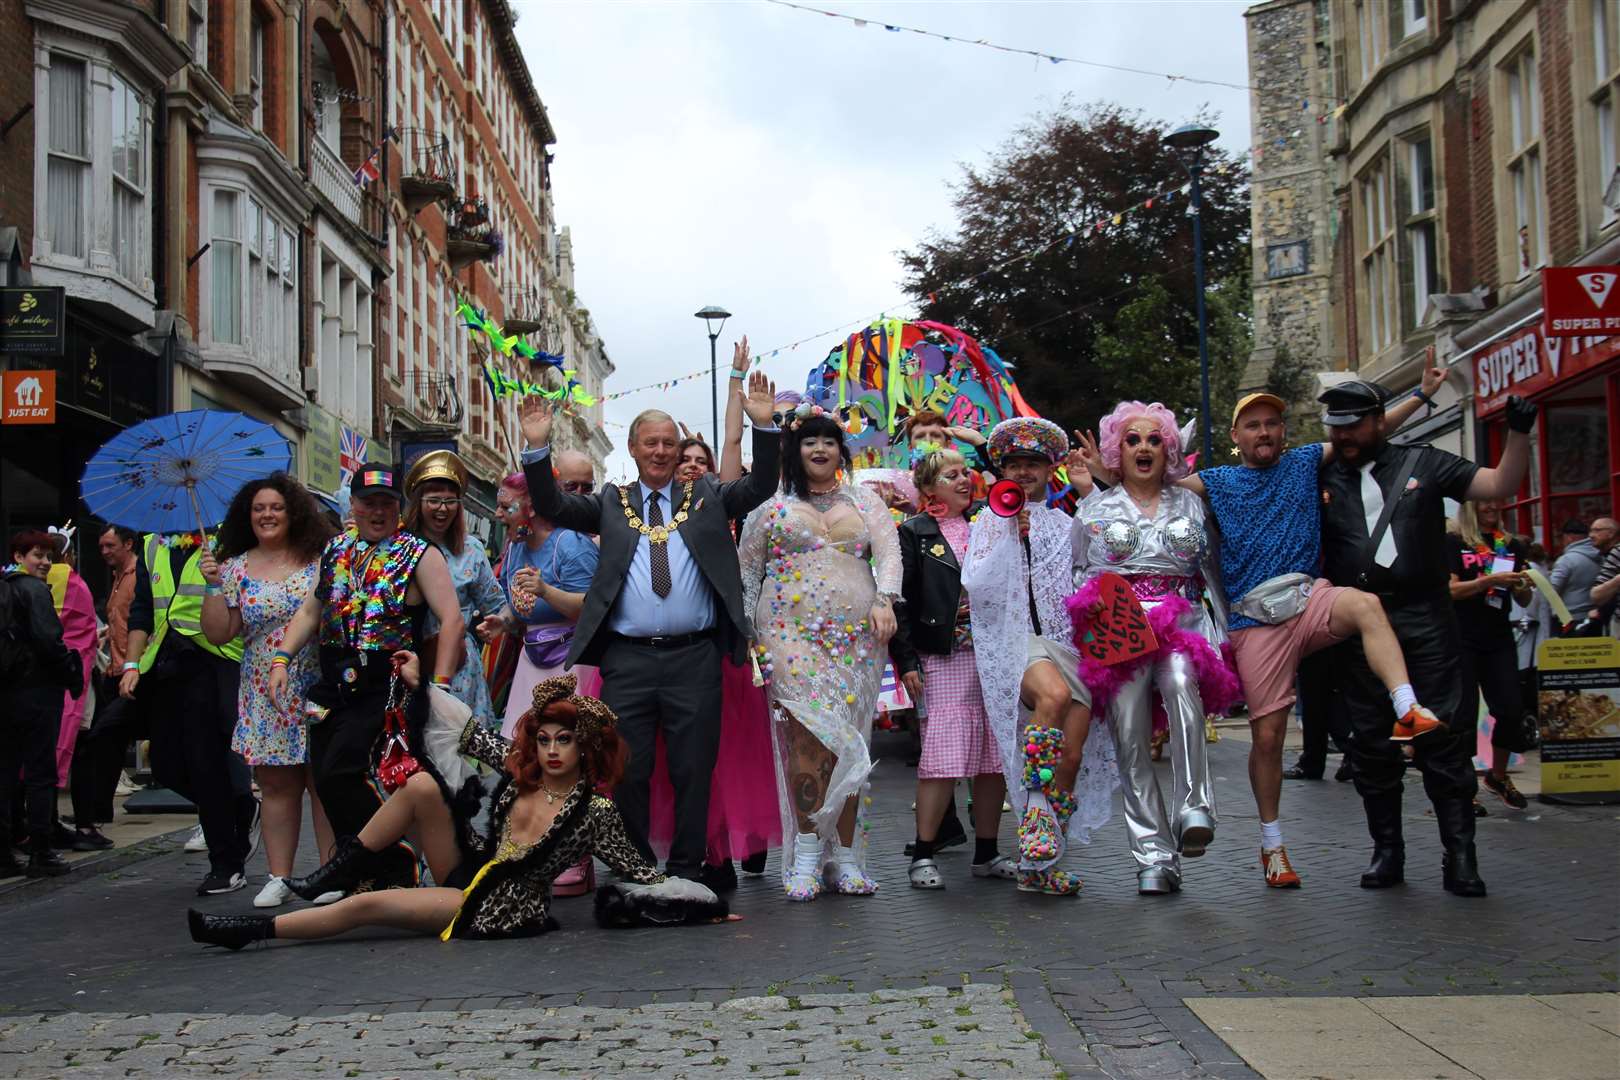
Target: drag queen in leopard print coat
[(546, 817)]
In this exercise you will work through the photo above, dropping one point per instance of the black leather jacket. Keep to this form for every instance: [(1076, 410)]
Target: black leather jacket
[(929, 593)]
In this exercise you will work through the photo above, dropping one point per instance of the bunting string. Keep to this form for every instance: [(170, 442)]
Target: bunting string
[(1052, 58)]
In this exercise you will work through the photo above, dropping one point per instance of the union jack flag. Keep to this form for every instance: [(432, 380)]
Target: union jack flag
[(351, 453)]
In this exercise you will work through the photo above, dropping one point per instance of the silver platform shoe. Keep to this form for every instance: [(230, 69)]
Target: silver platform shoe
[(1157, 881), (1197, 833)]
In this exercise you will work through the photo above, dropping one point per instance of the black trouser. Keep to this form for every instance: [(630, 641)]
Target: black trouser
[(30, 720), (675, 691), (1322, 712), (1492, 670), (1427, 631), (98, 756), (192, 706), (340, 758)]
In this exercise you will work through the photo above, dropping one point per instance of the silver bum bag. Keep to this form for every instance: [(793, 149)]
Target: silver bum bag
[(1276, 600)]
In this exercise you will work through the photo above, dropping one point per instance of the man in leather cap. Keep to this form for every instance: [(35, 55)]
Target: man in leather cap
[(1400, 556)]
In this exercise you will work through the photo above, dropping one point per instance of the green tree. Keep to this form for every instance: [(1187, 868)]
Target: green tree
[(1109, 315)]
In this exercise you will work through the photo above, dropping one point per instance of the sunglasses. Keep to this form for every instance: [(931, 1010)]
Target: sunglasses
[(578, 487)]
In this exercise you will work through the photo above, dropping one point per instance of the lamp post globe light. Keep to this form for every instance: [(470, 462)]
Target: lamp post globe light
[(1188, 141), (714, 317)]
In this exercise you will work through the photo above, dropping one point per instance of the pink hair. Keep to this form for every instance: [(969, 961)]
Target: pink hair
[(515, 482), (1112, 430)]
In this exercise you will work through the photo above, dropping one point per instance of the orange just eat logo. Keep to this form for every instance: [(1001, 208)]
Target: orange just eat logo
[(28, 397)]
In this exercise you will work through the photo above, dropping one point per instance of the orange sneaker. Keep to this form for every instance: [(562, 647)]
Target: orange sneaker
[(1279, 871), (1417, 721)]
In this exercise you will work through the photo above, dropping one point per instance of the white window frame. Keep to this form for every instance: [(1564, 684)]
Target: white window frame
[(1421, 222), (258, 28), (1370, 35), (75, 158), (1522, 163), (130, 180), (1380, 275), (1414, 17), (1603, 97), (197, 31), (264, 252)]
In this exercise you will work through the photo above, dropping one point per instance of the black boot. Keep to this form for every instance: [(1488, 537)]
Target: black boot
[(1388, 866), (351, 863), (231, 931), (46, 863), (755, 863), (1459, 866), (9, 866)]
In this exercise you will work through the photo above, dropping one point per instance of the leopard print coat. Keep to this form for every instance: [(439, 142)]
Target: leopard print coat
[(512, 898)]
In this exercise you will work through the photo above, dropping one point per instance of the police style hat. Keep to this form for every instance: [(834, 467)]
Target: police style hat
[(437, 465), (1348, 402), (375, 480)]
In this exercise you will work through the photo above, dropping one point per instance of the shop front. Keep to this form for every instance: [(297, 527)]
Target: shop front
[(1575, 459), (103, 383)]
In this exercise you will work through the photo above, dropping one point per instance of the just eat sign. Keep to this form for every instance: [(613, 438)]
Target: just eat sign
[(1580, 301)]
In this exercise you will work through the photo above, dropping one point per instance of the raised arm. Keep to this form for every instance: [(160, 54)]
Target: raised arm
[(580, 512), (740, 496), (731, 463), (1503, 481)]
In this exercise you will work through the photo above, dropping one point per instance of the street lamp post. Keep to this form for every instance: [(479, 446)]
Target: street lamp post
[(714, 317), (1189, 141)]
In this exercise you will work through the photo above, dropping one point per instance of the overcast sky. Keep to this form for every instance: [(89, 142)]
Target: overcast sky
[(773, 161)]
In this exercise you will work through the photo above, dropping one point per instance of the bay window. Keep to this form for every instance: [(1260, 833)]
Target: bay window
[(67, 170)]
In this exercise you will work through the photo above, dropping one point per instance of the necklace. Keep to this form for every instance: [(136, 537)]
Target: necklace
[(827, 491), (554, 797), (1147, 506), (660, 533)]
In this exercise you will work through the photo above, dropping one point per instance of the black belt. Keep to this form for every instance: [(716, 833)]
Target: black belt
[(668, 641)]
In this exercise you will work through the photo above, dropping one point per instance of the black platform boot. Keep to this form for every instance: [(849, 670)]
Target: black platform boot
[(1388, 866), (1459, 866), (231, 931), (351, 863)]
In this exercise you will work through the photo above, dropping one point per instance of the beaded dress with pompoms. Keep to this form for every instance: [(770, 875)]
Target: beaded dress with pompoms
[(811, 570)]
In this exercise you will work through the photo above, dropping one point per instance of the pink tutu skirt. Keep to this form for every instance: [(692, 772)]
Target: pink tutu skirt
[(588, 684), (744, 816)]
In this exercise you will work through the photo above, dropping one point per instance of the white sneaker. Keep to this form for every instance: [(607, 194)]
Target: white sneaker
[(274, 894), (329, 897), (126, 786), (195, 843)]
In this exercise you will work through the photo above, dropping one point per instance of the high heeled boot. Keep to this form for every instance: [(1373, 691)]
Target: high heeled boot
[(351, 863), (230, 931), (1459, 866)]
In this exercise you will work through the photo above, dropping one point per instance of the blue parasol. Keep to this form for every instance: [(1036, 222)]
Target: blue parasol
[(181, 470)]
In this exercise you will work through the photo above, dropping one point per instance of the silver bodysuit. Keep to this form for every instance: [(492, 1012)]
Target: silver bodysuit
[(1170, 554)]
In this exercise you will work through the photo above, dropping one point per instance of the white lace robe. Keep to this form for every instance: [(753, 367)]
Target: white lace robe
[(999, 580)]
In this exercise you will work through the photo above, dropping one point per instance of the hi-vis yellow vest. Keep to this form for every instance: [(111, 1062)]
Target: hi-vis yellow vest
[(178, 604)]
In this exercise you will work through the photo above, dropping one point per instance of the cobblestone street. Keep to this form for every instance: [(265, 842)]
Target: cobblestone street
[(975, 980)]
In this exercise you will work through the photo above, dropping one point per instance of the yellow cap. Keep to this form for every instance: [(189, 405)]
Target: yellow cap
[(1262, 398), (437, 465)]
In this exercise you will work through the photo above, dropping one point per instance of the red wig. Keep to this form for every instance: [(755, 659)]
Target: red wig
[(602, 757), (29, 539)]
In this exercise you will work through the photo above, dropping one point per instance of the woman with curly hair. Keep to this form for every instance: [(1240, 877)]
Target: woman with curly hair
[(547, 815), (266, 562)]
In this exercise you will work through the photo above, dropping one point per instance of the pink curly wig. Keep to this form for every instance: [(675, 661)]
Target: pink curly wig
[(1112, 430)]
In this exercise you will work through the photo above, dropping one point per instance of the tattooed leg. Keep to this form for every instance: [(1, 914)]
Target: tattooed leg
[(809, 769)]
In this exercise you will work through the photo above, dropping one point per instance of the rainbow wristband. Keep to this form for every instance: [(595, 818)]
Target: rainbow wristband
[(282, 658), (441, 680)]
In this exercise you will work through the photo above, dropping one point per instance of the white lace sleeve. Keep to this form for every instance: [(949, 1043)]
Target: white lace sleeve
[(751, 552), (992, 549), (880, 526)]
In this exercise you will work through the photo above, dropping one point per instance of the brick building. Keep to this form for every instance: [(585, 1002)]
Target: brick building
[(186, 170), (1469, 143)]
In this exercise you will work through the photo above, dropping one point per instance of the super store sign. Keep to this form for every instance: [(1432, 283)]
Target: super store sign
[(1530, 362)]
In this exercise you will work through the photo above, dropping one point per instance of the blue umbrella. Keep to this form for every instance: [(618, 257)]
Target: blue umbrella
[(179, 471)]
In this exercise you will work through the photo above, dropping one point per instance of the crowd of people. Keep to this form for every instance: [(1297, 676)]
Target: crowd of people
[(685, 669)]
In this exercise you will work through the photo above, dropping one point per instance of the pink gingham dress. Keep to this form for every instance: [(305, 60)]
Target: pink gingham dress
[(956, 740)]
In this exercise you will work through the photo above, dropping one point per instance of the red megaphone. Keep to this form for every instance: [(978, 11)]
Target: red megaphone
[(1006, 498)]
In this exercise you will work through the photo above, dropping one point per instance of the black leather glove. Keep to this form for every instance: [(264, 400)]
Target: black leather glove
[(1521, 414)]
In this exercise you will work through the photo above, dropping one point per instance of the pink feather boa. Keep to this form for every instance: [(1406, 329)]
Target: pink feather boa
[(1216, 672)]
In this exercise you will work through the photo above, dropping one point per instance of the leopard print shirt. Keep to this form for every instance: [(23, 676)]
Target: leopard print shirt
[(514, 897)]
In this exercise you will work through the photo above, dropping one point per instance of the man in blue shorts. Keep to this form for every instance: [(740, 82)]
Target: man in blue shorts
[(1267, 511)]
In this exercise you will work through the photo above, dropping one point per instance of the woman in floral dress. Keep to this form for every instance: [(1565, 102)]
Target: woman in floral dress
[(821, 570), (267, 561)]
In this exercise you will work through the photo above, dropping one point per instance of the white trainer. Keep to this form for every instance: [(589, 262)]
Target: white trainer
[(196, 843), (274, 894), (329, 897)]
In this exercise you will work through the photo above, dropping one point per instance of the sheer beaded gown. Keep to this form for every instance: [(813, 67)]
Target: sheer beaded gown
[(811, 570)]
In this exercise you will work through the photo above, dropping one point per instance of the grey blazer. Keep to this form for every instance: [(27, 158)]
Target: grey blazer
[(707, 534)]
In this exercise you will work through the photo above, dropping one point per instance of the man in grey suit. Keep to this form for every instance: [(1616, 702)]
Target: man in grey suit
[(666, 603)]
